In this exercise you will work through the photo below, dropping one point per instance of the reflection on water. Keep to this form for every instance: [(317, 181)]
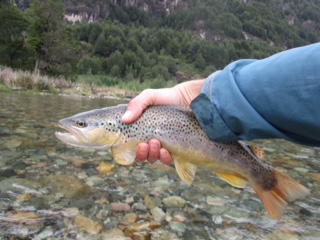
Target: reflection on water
[(48, 189)]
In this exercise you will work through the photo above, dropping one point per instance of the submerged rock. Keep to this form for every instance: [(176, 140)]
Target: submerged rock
[(174, 202), (69, 186), (87, 225)]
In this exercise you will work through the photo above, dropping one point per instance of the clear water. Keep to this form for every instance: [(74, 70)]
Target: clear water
[(29, 152)]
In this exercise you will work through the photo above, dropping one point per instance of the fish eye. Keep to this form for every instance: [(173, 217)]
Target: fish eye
[(81, 124)]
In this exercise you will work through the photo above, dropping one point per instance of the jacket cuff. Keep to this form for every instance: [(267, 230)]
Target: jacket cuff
[(210, 120)]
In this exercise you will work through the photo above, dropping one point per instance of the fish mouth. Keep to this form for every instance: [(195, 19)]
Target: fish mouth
[(77, 137), (73, 136)]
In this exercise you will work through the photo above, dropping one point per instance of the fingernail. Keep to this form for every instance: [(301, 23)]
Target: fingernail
[(126, 115)]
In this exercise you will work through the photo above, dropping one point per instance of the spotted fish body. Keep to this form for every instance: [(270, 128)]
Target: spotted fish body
[(180, 133)]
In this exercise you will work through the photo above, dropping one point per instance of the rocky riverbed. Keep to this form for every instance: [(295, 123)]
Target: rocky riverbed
[(51, 191)]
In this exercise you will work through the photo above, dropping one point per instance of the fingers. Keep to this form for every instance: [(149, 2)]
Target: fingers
[(142, 152), (152, 151), (165, 156)]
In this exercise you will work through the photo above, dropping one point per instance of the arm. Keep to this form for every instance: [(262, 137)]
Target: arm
[(277, 97)]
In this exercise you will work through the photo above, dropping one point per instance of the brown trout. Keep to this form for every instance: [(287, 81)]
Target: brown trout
[(180, 133)]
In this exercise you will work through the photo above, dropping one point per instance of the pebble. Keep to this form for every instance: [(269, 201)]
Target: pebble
[(102, 153), (215, 201), (174, 202), (94, 181), (302, 170), (120, 207), (113, 234), (87, 225), (129, 218), (70, 212), (158, 214), (177, 227), (149, 203), (47, 232), (14, 143)]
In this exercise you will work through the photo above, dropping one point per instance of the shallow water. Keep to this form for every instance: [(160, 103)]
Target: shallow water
[(48, 189)]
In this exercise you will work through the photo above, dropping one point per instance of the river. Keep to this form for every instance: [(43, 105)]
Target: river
[(51, 190)]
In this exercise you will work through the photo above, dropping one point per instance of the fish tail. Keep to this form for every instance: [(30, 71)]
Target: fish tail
[(275, 200)]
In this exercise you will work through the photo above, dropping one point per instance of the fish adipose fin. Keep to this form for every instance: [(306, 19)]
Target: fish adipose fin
[(233, 179), (186, 171), (286, 190), (124, 154), (258, 152), (252, 149)]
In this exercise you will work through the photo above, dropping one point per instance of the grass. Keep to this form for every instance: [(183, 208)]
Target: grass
[(24, 80), (87, 85)]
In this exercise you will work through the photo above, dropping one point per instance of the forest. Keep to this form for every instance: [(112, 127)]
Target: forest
[(129, 44)]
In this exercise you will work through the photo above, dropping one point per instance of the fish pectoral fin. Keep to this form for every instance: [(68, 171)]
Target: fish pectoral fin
[(124, 154), (233, 179), (186, 171)]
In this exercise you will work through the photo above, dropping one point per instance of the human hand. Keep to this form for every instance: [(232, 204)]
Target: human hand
[(181, 94)]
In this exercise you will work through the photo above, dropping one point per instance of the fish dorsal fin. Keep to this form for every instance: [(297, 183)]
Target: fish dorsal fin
[(124, 154), (186, 171), (233, 179)]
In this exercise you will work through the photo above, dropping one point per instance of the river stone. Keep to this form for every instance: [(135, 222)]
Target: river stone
[(14, 143), (113, 233), (129, 219), (47, 232), (69, 186), (174, 202), (10, 184), (158, 214), (177, 227)]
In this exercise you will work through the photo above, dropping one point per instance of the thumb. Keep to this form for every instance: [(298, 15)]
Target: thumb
[(148, 97), (137, 105)]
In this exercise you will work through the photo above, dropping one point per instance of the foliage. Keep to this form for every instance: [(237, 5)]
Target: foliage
[(13, 25), (132, 48), (49, 37)]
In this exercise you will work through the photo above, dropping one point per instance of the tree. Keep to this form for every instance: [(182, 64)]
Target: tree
[(13, 25), (101, 47), (49, 38)]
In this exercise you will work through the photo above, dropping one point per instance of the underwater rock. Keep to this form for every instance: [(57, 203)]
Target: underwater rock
[(120, 207), (14, 143), (149, 202), (158, 214), (87, 225), (69, 186), (174, 202), (129, 218)]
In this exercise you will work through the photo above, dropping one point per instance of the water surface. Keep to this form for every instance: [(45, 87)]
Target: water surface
[(47, 188)]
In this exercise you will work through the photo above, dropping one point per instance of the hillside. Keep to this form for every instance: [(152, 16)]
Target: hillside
[(147, 40)]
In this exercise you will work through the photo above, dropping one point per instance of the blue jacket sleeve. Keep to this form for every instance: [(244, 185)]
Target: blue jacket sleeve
[(276, 97)]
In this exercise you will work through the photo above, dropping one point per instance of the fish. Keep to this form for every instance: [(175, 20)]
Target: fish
[(180, 133)]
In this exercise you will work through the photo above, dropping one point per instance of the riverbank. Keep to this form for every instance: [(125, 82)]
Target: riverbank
[(18, 80)]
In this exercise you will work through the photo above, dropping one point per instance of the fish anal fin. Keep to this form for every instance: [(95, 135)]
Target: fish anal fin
[(124, 154), (275, 200), (186, 171), (233, 179)]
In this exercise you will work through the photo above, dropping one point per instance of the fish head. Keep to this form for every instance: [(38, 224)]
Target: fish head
[(93, 129)]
